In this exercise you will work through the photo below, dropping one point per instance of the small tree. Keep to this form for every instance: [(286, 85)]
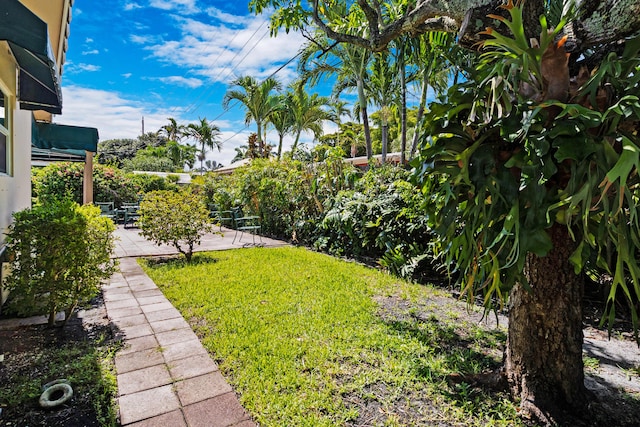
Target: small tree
[(179, 219), (60, 252)]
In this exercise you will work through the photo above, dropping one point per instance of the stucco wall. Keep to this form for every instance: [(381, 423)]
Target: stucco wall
[(15, 187)]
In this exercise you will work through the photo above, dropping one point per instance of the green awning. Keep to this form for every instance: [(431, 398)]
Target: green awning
[(28, 38), (73, 140)]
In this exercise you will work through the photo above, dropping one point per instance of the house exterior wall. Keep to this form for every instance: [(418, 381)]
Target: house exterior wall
[(17, 180), (15, 185)]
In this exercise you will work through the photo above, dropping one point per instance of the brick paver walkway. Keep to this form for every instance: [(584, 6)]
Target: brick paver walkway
[(165, 376)]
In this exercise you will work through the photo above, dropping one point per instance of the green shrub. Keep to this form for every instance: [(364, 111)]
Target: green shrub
[(179, 219), (148, 183), (64, 180), (286, 195), (382, 221), (148, 163), (59, 253), (377, 216)]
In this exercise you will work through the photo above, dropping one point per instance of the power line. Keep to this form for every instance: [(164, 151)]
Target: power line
[(230, 71), (234, 135), (194, 105), (235, 101), (214, 62)]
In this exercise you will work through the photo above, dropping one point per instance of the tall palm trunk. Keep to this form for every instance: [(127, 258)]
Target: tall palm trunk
[(365, 118), (202, 156), (421, 107), (294, 147), (280, 140), (403, 106), (385, 141), (259, 140)]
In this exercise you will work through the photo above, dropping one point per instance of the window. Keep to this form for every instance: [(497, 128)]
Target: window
[(5, 134)]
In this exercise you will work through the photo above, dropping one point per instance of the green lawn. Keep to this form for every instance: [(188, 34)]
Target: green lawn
[(309, 340)]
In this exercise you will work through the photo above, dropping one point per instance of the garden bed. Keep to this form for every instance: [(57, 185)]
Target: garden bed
[(81, 352)]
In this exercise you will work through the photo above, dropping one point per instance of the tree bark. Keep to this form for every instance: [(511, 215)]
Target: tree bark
[(597, 22), (543, 358)]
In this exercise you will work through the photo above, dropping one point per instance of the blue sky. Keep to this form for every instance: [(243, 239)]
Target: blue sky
[(166, 58)]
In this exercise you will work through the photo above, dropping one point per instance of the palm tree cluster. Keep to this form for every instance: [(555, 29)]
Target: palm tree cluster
[(379, 80), (289, 112), (382, 80), (203, 132)]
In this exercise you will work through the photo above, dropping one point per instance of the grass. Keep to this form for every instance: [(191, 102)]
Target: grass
[(591, 363), (309, 340)]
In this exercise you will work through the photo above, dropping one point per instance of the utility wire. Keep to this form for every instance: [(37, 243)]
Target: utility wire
[(197, 103), (213, 63)]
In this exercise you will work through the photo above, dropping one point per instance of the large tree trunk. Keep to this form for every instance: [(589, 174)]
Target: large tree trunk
[(543, 359)]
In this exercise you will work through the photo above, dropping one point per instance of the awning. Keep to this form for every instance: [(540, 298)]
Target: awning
[(41, 157), (28, 38), (73, 140)]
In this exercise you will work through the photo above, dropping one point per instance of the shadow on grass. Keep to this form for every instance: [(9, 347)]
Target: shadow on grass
[(461, 356), (179, 261), (454, 353), (459, 366)]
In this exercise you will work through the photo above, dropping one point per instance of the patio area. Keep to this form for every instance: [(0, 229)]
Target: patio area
[(130, 243)]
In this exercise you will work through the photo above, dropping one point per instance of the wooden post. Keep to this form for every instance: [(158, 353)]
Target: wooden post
[(87, 183)]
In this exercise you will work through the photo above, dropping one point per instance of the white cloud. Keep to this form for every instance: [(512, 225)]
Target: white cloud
[(112, 115), (137, 39), (180, 81), (91, 52), (127, 75), (227, 18), (117, 117), (88, 40), (182, 6), (73, 68), (132, 6), (221, 53)]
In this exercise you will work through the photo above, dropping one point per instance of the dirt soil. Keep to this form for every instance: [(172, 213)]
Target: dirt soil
[(612, 374), (614, 380), (23, 350)]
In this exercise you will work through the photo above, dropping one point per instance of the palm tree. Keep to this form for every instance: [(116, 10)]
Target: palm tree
[(426, 52), (350, 65), (282, 120), (351, 134), (241, 153), (382, 90), (181, 154), (212, 165), (173, 131), (337, 109), (257, 99), (308, 113), (207, 135)]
